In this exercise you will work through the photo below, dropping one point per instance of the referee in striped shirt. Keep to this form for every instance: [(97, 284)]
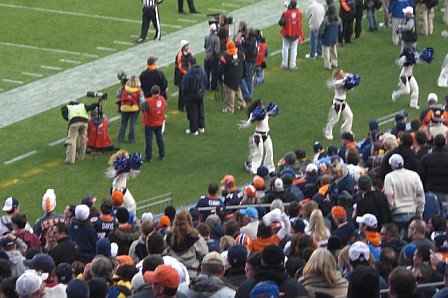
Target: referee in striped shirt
[(150, 13)]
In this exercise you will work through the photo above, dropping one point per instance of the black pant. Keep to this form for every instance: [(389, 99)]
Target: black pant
[(181, 98), (150, 14), (358, 19), (347, 30), (180, 6), (195, 114), (211, 67)]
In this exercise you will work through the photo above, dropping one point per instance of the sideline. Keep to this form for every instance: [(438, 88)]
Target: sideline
[(43, 95)]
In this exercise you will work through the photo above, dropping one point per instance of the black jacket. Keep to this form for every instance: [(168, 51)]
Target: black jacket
[(66, 251), (124, 238), (410, 161), (290, 287), (232, 69), (375, 203), (235, 276), (194, 84), (149, 78), (145, 292), (434, 171)]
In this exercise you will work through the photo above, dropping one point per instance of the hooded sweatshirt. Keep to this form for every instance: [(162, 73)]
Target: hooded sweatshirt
[(16, 259), (194, 84), (204, 285)]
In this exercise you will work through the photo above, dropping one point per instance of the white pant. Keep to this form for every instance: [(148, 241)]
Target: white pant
[(256, 153), (442, 81), (338, 108), (407, 86), (289, 50)]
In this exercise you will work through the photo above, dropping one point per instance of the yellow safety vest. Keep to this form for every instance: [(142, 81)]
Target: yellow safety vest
[(78, 110)]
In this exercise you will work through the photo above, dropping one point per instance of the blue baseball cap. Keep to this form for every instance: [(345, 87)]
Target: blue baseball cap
[(373, 124), (266, 288), (249, 212)]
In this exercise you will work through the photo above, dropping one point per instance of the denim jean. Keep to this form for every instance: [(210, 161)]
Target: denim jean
[(244, 90), (259, 75), (126, 117), (315, 44), (149, 131), (402, 221), (249, 78), (371, 19)]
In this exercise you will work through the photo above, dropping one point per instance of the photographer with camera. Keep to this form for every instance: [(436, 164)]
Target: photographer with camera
[(131, 95), (77, 116), (246, 41), (223, 23), (98, 139), (212, 55)]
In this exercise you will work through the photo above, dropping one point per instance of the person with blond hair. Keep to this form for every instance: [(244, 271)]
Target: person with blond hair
[(130, 95), (185, 244), (317, 228), (320, 275)]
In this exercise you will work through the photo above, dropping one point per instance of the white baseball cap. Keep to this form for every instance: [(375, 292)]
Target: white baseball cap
[(368, 220), (213, 27), (359, 251), (82, 212), (396, 161), (10, 203), (183, 43), (432, 97), (311, 168), (28, 283), (408, 10)]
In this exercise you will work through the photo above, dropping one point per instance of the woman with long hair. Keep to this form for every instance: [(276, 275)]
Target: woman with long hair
[(260, 142), (185, 244), (317, 228), (130, 95), (320, 275)]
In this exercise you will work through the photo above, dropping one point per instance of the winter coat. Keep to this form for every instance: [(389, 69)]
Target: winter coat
[(375, 203), (235, 276), (434, 171), (189, 252), (124, 236), (329, 30), (206, 286), (194, 84), (317, 283), (410, 161), (84, 234), (66, 251)]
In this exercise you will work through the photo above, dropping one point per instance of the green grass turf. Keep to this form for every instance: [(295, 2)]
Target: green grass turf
[(53, 30), (194, 162)]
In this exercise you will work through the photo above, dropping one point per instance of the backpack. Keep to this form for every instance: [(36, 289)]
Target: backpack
[(265, 289)]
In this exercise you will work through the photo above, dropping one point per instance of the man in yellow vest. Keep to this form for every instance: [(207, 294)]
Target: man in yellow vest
[(77, 116)]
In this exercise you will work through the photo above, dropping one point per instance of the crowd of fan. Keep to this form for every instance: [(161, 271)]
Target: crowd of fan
[(349, 221)]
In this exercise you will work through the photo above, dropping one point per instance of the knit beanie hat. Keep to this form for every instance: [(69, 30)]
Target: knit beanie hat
[(49, 201), (154, 243), (272, 255), (97, 287), (103, 247), (77, 289), (82, 212)]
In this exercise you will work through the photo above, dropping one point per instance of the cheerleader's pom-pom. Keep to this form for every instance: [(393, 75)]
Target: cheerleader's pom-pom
[(258, 113), (352, 81), (427, 55), (122, 164), (136, 161), (272, 109)]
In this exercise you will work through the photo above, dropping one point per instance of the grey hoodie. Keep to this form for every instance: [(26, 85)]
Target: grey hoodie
[(205, 286), (16, 259)]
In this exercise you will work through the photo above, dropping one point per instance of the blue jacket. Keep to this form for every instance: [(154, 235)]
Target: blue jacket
[(85, 237), (329, 30), (396, 7)]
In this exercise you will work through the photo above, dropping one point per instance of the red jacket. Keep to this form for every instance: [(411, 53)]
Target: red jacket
[(156, 113), (293, 24), (98, 138), (261, 56)]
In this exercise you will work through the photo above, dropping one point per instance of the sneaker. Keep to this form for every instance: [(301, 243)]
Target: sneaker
[(226, 111), (293, 68), (162, 158), (247, 166), (394, 96), (201, 130), (328, 137), (308, 56), (283, 67), (188, 132), (417, 107), (139, 40)]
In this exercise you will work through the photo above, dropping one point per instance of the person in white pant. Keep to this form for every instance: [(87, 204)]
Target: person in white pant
[(291, 22), (442, 81), (260, 141), (339, 106), (407, 82)]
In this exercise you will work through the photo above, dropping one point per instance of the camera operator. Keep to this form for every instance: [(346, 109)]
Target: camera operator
[(77, 116), (98, 139), (246, 40), (212, 55)]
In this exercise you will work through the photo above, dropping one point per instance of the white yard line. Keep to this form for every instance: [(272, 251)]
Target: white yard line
[(43, 94), (217, 10), (69, 61), (32, 74), (13, 81), (60, 141), (28, 47), (174, 93), (51, 67), (115, 118), (126, 43), (275, 53), (106, 49), (8, 162), (230, 5)]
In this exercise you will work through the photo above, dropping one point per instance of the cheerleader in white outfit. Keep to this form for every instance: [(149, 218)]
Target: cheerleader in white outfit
[(260, 141), (407, 82), (122, 167), (442, 81), (341, 83)]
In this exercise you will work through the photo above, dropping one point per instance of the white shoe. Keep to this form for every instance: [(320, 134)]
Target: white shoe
[(293, 68), (417, 107), (329, 137), (188, 132), (308, 56), (283, 67), (201, 130), (394, 96)]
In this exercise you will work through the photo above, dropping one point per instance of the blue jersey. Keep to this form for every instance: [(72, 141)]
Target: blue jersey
[(209, 201)]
